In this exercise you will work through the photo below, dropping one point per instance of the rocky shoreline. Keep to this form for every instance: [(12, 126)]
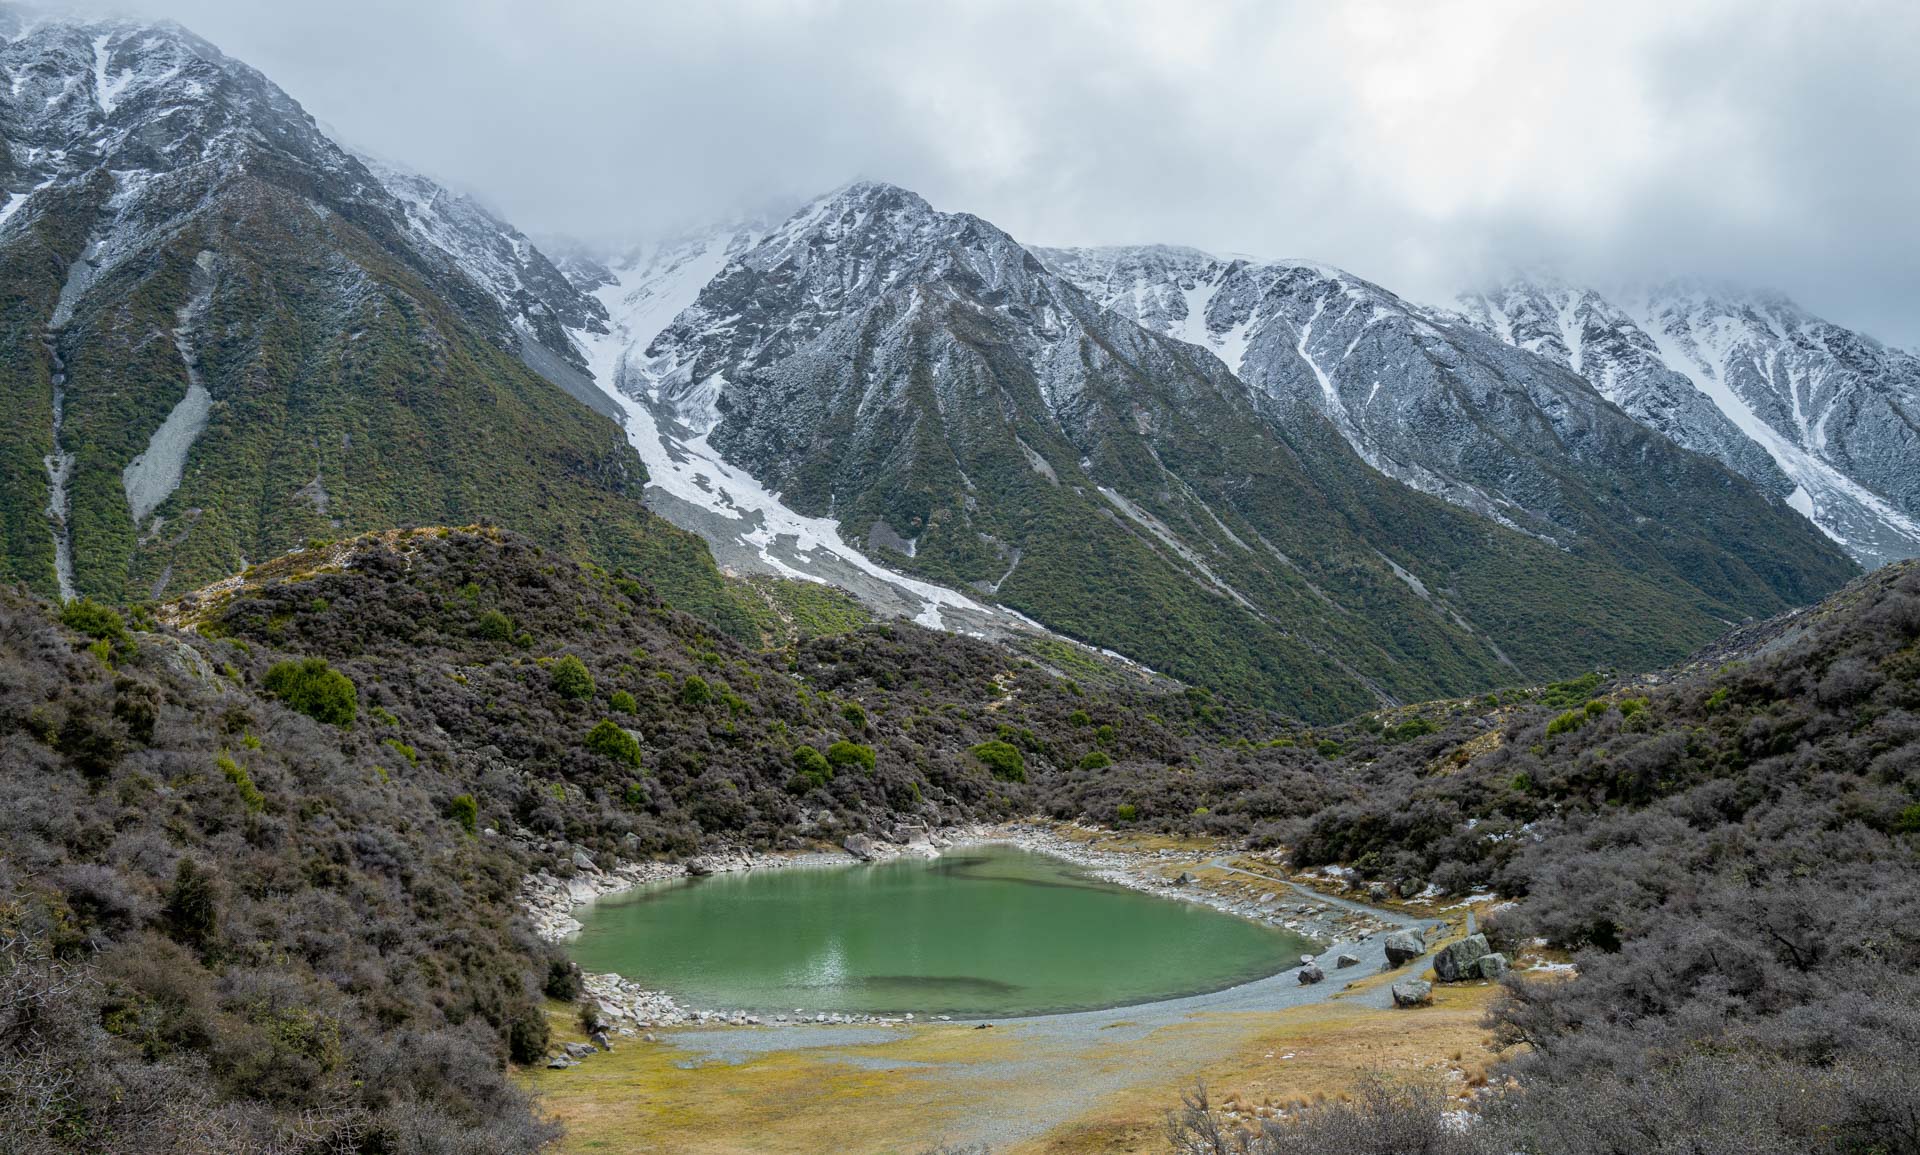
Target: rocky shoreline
[(629, 1009)]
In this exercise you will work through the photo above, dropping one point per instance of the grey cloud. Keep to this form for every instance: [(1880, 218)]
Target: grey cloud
[(1418, 145)]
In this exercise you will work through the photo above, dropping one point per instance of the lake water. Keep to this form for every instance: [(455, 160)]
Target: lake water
[(986, 931)]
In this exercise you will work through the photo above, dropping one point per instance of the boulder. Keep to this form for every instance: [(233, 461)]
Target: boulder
[(1459, 960), (583, 860), (1403, 946), (1344, 960), (600, 1040), (1412, 993), (1377, 891), (578, 1050), (1492, 966), (560, 1063), (700, 867), (860, 846), (1306, 960), (1311, 974)]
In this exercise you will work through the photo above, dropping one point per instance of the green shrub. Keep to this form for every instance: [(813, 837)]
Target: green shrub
[(610, 739), (1631, 706), (1080, 718), (192, 910), (87, 617), (1596, 707), (695, 691), (1410, 729), (1126, 812), (1328, 748), (496, 626), (844, 753), (1909, 820), (464, 810), (571, 679), (636, 795), (242, 781), (1105, 735), (405, 751), (315, 689), (1095, 760), (1005, 761), (1566, 723), (814, 769), (855, 716), (623, 702)]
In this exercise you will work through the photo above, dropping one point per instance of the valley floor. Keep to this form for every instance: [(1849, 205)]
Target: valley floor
[(1093, 1081)]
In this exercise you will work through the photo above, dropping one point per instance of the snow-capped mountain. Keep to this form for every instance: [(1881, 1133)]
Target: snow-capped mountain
[(231, 336), (971, 415), (1436, 403), (749, 528), (1787, 399)]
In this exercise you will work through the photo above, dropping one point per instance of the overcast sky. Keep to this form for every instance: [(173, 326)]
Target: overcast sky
[(1420, 144)]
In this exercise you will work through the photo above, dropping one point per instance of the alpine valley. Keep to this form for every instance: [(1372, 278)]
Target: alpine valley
[(376, 582)]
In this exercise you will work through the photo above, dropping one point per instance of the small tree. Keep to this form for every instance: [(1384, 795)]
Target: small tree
[(466, 811), (814, 769), (315, 689), (192, 910), (571, 679), (623, 702), (1004, 760), (610, 739), (843, 754)]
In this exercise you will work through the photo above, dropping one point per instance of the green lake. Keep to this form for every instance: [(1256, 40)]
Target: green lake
[(985, 931)]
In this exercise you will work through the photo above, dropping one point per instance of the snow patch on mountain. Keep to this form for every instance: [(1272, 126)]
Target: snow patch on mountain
[(747, 524)]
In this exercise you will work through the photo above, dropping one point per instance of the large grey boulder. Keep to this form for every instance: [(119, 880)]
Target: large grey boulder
[(1403, 946), (1344, 960), (1412, 993), (1459, 960), (1492, 966), (860, 846), (583, 860), (1311, 974)]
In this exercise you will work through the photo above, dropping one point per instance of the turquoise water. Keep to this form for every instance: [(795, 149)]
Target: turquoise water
[(988, 931)]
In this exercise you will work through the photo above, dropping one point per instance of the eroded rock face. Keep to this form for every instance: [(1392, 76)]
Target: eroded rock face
[(1460, 960)]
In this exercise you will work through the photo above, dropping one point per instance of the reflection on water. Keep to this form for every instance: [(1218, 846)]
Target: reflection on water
[(991, 931)]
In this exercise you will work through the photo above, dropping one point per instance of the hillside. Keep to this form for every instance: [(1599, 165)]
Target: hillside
[(225, 337), (230, 921)]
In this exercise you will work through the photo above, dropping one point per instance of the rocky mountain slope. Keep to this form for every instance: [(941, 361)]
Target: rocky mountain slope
[(1787, 399), (979, 420), (1440, 405), (225, 336)]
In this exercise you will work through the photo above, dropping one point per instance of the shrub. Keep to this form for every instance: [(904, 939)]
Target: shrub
[(464, 810), (608, 738), (1006, 762), (695, 691), (814, 768), (1095, 760), (623, 702), (242, 781), (496, 626), (845, 753), (85, 616), (1126, 812), (855, 716), (315, 689), (1566, 723), (571, 679), (1410, 729), (192, 911), (1328, 748)]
